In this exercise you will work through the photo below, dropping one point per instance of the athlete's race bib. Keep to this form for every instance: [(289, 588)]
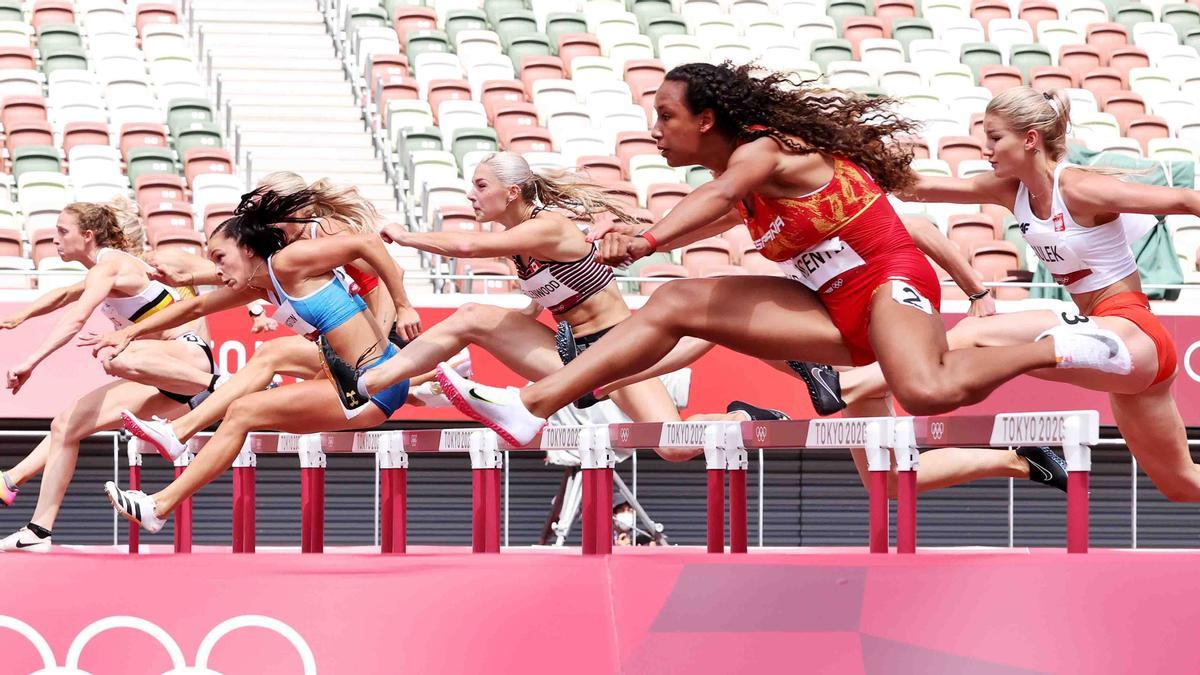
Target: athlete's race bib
[(286, 315), (822, 263), (1063, 263), (547, 291)]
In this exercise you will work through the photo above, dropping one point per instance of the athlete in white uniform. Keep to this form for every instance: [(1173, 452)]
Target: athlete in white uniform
[(1080, 223), (158, 375)]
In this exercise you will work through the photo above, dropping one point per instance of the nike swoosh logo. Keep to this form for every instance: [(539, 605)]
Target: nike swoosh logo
[(477, 397), (1049, 476), (21, 544), (816, 373)]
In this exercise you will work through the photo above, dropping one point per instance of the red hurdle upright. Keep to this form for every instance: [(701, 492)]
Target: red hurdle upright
[(393, 489), (244, 500), (486, 463), (312, 488), (183, 512), (133, 452)]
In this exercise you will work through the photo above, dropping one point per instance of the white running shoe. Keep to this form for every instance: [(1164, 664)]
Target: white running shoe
[(1090, 347), (156, 432), (24, 541), (135, 505), (499, 409), (461, 363)]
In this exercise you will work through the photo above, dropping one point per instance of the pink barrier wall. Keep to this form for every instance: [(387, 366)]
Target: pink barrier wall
[(72, 371), (650, 611)]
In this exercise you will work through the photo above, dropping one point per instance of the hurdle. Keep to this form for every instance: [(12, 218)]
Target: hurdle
[(886, 440)]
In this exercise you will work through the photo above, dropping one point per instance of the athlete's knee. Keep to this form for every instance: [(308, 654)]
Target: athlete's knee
[(474, 319), (926, 398), (268, 354), (674, 301), (242, 412), (965, 333), (66, 429)]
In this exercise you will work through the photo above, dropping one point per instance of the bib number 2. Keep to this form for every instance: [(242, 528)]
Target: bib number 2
[(905, 294)]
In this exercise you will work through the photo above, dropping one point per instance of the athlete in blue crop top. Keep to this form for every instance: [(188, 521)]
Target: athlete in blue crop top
[(254, 258)]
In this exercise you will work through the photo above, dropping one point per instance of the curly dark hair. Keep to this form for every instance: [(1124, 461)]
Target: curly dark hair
[(253, 224), (749, 104)]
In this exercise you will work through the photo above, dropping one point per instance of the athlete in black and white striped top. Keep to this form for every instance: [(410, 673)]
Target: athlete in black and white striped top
[(557, 269), (561, 286)]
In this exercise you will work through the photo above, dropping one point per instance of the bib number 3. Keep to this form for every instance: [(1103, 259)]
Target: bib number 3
[(905, 294)]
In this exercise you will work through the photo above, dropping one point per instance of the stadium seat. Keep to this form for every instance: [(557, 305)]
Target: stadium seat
[(602, 169), (146, 161), (999, 78)]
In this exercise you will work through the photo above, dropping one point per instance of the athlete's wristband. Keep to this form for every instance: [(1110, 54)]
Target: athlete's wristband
[(650, 238), (978, 296)]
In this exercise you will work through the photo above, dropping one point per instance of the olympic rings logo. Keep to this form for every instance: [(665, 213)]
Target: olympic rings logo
[(760, 433), (1187, 361), (178, 663), (624, 434), (937, 430)]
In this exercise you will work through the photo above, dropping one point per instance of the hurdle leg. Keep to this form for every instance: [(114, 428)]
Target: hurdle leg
[(736, 464), (486, 462), (183, 512), (738, 523), (135, 483), (1079, 466), (907, 460), (1077, 511), (597, 462), (716, 510), (879, 463), (244, 500), (312, 494)]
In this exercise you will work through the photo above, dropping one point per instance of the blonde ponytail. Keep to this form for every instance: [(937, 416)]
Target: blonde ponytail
[(556, 188)]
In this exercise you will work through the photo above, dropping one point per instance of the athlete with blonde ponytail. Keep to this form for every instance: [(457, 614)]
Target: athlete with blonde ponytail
[(1080, 222), (159, 376), (557, 269)]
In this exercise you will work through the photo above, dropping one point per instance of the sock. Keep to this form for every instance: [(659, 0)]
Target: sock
[(38, 530), (8, 481)]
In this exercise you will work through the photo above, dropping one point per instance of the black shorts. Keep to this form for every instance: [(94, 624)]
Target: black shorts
[(192, 338)]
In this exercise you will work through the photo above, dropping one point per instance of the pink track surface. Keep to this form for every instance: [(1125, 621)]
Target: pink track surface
[(645, 611)]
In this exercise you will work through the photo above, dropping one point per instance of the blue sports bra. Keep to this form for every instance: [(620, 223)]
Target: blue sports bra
[(319, 312)]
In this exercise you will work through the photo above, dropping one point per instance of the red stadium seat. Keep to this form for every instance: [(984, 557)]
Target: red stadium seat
[(47, 12), (142, 135), (84, 133), (1035, 11), (497, 94), (644, 75), (215, 214), (859, 28), (386, 65), (623, 192), (1144, 129), (529, 139), (148, 14), (1102, 81), (41, 244), (1123, 105), (984, 11), (664, 272), (995, 260), (601, 169), (998, 78), (1045, 78), (27, 132), (199, 161), (447, 90), (160, 215), (458, 219), (409, 18), (1126, 58), (394, 88), (180, 239), (157, 188), (17, 58), (630, 143), (888, 11), (706, 253), (1079, 59), (662, 197), (539, 68), (971, 230), (17, 109), (512, 118), (571, 45), (10, 243), (956, 149), (1107, 36)]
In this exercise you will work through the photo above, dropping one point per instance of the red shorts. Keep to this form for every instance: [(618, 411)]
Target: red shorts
[(1135, 307), (849, 304)]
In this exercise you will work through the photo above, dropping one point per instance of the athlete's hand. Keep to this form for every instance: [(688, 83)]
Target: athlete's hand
[(11, 322), (618, 250), (18, 375), (597, 231), (117, 340), (263, 323), (408, 323), (985, 306), (171, 273), (393, 233)]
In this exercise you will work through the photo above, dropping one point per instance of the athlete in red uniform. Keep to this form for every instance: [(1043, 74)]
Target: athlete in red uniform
[(808, 173)]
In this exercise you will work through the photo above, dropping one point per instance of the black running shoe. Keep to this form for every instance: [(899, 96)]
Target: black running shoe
[(756, 413), (343, 376), (1045, 467), (588, 400), (394, 338), (824, 386)]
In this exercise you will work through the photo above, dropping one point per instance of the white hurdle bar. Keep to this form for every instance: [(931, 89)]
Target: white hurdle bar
[(725, 444)]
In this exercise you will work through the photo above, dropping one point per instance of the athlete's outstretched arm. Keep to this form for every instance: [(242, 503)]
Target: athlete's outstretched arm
[(174, 315), (1094, 193), (177, 268), (49, 301), (97, 285), (984, 188), (949, 257), (537, 237)]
